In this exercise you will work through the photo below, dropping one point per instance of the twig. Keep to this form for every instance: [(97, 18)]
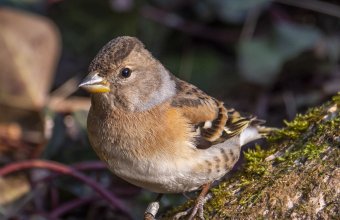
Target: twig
[(89, 165), (54, 196), (68, 105), (64, 208), (60, 168), (66, 89), (314, 5), (59, 101), (82, 166)]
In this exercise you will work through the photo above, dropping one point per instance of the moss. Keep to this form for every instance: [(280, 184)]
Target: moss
[(256, 163), (301, 159), (313, 151), (336, 99)]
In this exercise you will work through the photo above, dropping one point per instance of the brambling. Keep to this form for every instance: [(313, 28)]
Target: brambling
[(155, 130)]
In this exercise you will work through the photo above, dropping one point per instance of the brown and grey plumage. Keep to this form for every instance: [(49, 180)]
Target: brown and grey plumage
[(155, 130)]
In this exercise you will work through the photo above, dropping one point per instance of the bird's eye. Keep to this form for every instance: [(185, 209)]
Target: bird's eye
[(126, 72)]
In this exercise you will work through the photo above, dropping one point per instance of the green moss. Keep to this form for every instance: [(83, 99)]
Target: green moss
[(256, 163), (336, 99), (313, 151)]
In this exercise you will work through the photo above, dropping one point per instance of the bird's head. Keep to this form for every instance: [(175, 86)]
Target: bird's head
[(127, 76)]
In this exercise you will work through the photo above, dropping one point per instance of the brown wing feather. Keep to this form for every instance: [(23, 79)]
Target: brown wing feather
[(195, 104), (212, 121)]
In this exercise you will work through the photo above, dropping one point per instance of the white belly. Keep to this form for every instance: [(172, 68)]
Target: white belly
[(160, 176), (174, 174)]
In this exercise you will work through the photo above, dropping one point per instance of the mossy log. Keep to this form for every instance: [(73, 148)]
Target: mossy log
[(296, 176)]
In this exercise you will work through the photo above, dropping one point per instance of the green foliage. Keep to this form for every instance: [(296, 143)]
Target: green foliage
[(235, 11), (86, 25), (261, 58), (199, 66)]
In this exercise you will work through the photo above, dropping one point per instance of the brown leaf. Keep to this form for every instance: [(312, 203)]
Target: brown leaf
[(29, 51)]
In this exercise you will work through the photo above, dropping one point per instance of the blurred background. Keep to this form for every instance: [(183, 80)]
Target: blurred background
[(270, 58)]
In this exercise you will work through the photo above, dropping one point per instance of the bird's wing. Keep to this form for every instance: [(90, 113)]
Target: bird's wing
[(213, 122)]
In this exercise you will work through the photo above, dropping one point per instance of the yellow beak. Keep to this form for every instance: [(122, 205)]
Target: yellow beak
[(93, 83)]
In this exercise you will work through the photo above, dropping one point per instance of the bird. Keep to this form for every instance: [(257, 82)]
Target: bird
[(157, 131)]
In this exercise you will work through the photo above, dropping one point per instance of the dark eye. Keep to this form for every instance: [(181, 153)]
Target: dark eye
[(126, 72)]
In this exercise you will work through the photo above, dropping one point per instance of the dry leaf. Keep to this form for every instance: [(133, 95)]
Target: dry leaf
[(29, 51)]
